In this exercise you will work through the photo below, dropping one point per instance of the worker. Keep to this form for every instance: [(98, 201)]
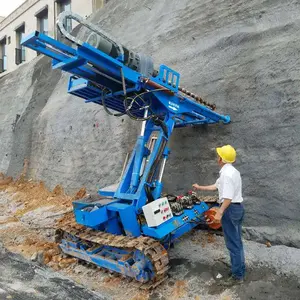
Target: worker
[(231, 211)]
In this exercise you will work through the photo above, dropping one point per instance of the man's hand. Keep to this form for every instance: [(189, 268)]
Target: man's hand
[(218, 217), (196, 186), (204, 187)]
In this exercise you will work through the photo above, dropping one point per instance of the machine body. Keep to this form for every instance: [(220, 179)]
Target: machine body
[(111, 230)]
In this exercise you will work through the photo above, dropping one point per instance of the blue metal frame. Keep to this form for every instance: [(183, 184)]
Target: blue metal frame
[(178, 225), (133, 264), (93, 69), (97, 77)]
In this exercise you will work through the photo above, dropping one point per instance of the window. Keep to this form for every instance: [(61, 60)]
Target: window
[(8, 40), (65, 5), (20, 50), (44, 25), (3, 58), (42, 20)]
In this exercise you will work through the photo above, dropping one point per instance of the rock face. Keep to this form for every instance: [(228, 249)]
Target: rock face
[(241, 55)]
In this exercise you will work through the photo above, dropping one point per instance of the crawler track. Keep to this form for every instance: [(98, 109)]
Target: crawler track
[(154, 251)]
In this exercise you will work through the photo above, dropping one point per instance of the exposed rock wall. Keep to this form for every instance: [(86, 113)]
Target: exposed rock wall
[(241, 55)]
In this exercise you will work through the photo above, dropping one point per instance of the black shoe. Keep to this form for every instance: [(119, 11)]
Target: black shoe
[(231, 281)]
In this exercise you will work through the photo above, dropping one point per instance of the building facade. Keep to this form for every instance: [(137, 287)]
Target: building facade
[(35, 15)]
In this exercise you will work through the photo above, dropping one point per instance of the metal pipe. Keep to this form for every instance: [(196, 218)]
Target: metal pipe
[(151, 145), (124, 166), (162, 168), (157, 86), (144, 122)]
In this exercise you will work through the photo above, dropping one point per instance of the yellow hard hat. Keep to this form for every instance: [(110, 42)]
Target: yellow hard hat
[(227, 153)]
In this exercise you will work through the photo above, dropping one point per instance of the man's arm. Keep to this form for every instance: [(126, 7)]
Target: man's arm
[(224, 205), (219, 214), (212, 187)]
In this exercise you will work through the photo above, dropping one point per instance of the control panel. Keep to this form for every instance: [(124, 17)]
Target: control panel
[(157, 212)]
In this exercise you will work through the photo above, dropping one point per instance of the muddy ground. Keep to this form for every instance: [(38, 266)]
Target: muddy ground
[(36, 270), (20, 279)]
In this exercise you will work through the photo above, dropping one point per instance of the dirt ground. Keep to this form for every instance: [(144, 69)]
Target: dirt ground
[(21, 279), (30, 212)]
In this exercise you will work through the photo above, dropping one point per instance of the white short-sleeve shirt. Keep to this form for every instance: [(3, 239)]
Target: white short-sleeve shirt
[(229, 184)]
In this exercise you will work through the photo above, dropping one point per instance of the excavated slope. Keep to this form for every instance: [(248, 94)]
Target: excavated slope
[(241, 55)]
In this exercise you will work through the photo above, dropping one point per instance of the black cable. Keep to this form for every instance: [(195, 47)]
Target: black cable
[(133, 100), (107, 110), (139, 221), (169, 246), (158, 122), (148, 193), (157, 161), (153, 170)]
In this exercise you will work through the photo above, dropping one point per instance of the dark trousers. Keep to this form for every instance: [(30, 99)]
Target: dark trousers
[(232, 227)]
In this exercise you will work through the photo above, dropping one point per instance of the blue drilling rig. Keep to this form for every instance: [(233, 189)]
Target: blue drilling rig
[(128, 228)]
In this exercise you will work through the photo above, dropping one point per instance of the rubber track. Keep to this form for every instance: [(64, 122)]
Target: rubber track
[(150, 247)]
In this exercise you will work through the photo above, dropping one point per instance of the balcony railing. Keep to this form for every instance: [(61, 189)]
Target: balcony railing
[(20, 55)]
